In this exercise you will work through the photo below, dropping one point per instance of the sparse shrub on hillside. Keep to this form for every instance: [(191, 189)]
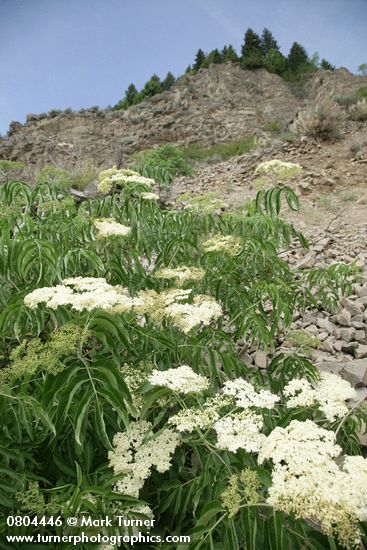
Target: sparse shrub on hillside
[(346, 100), (81, 178), (362, 92), (54, 112), (219, 151), (59, 178), (163, 163), (207, 203), (303, 340), (275, 126), (358, 111), (355, 147), (321, 120), (8, 168)]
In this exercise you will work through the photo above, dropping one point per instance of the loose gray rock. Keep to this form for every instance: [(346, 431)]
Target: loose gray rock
[(344, 318), (360, 352), (260, 359), (355, 372)]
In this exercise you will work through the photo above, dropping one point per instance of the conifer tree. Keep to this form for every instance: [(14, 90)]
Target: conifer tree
[(251, 51), (131, 94), (168, 82), (200, 60), (214, 57), (275, 62), (268, 42), (327, 65), (229, 54), (297, 58), (152, 87)]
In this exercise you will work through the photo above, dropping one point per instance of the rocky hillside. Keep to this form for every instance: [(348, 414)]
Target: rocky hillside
[(218, 104)]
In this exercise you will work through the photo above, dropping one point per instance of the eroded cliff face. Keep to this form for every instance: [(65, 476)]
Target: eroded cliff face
[(219, 104)]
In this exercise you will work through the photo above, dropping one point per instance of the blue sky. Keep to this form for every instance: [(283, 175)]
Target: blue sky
[(80, 53)]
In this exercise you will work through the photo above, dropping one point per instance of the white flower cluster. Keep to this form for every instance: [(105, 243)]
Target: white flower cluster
[(82, 293), (154, 304), (301, 445), (167, 305), (149, 196), (281, 169), (307, 482), (109, 227), (228, 244), (181, 379), (240, 431), (180, 274), (330, 393), (246, 396), (206, 205), (192, 419), (88, 293), (136, 451), (201, 312), (120, 177)]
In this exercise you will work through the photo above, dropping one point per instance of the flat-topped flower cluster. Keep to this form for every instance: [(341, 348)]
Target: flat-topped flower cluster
[(180, 274), (136, 451), (227, 244), (307, 481), (82, 293), (115, 177), (109, 227), (279, 168), (89, 293), (329, 392)]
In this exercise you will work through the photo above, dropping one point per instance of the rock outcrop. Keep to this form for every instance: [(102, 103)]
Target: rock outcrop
[(218, 104)]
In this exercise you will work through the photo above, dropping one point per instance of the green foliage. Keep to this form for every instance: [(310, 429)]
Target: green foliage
[(302, 340), (214, 57), (362, 92), (252, 54), (68, 384), (275, 62), (9, 167), (59, 178), (228, 53), (362, 68), (200, 60), (297, 57), (163, 163), (221, 151), (152, 87), (169, 81), (268, 42), (324, 64)]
